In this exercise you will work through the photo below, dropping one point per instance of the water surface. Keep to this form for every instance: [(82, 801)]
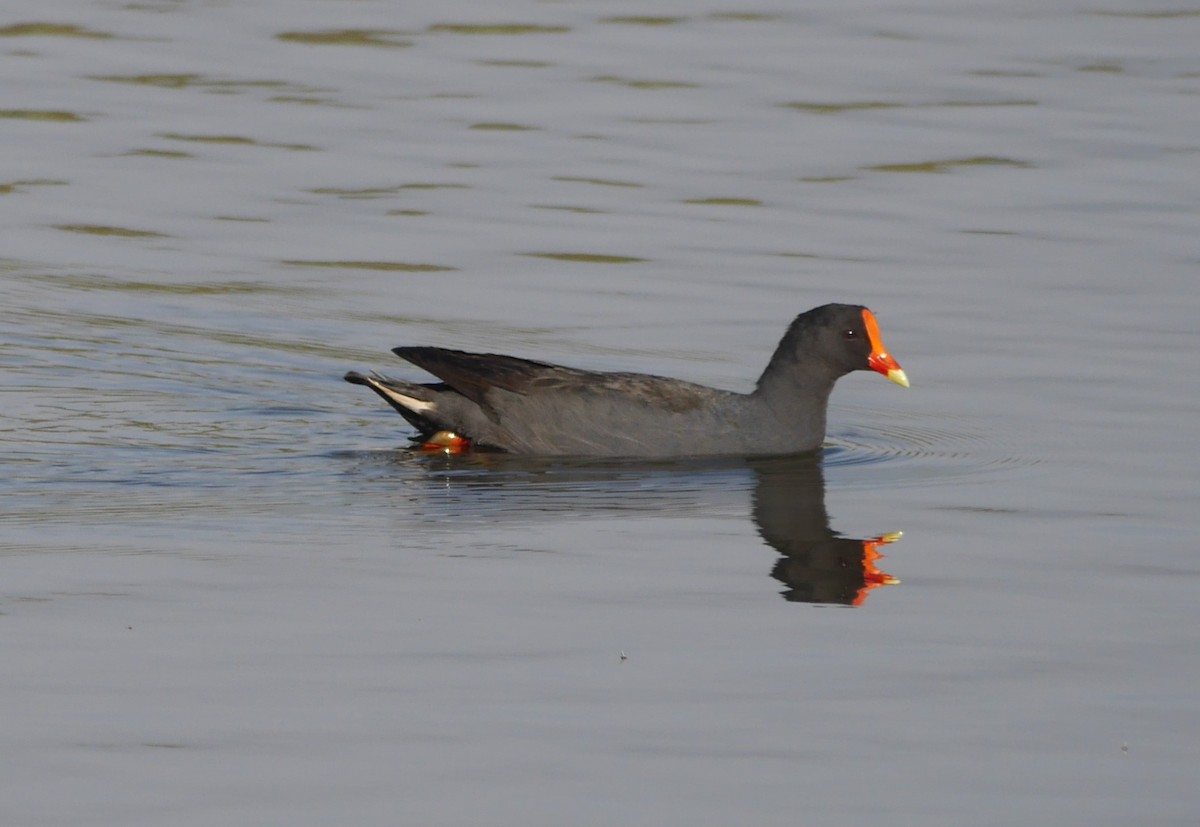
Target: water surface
[(229, 594)]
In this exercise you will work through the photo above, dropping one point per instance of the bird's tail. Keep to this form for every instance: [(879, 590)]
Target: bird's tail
[(411, 400)]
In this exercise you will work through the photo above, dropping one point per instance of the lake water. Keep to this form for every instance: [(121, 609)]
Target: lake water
[(227, 595)]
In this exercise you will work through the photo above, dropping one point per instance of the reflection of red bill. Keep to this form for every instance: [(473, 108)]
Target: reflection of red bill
[(880, 360), (446, 442), (873, 578)]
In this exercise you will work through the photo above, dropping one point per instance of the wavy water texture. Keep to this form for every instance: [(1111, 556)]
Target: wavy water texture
[(923, 448)]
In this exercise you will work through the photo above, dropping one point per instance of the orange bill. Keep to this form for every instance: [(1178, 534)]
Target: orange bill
[(873, 578), (880, 360)]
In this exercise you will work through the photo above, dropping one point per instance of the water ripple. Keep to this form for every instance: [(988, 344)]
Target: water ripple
[(910, 448)]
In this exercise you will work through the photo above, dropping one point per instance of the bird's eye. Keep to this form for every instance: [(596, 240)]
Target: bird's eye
[(850, 333)]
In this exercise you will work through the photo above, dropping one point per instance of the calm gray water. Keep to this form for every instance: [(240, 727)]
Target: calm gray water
[(227, 596)]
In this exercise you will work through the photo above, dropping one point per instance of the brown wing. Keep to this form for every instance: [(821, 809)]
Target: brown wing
[(474, 374)]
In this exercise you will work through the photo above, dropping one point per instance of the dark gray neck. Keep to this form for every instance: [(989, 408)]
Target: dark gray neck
[(793, 373), (796, 389), (798, 400)]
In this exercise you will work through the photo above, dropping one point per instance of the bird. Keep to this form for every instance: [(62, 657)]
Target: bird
[(493, 402)]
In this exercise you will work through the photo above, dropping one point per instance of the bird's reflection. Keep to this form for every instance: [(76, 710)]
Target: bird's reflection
[(817, 565)]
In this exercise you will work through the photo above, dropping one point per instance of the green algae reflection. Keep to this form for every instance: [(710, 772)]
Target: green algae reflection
[(41, 115), (835, 108), (644, 20), (99, 283), (158, 153), (599, 182), (382, 38), (19, 186), (497, 28), (101, 229), (492, 126), (645, 84), (232, 140), (1169, 14), (382, 192), (951, 163), (516, 64), (744, 16), (726, 202), (384, 266), (193, 80), (568, 208), (587, 258), (50, 30)]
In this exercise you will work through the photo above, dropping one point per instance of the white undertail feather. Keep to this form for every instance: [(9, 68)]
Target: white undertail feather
[(412, 403)]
